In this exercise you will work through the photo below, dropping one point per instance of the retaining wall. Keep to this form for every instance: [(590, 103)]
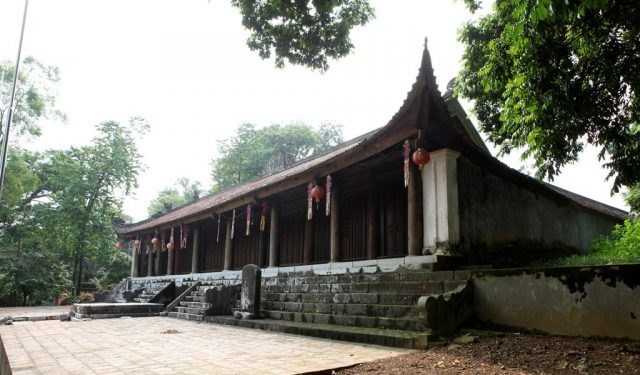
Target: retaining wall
[(573, 301)]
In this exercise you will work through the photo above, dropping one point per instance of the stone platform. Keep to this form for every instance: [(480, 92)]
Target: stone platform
[(116, 310)]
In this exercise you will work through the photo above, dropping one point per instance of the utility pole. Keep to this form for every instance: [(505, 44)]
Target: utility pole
[(7, 128)]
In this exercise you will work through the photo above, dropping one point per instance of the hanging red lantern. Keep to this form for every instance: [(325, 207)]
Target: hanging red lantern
[(171, 246), (317, 193), (155, 241), (421, 157), (136, 244), (118, 245)]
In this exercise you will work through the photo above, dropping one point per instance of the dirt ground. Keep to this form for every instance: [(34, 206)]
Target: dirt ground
[(514, 353)]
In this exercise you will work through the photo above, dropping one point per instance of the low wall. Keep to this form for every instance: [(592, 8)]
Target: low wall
[(573, 301)]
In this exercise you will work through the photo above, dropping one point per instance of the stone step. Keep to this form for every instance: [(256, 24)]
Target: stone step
[(185, 316), (356, 309), (407, 324), (387, 337), (197, 305), (191, 298), (190, 310), (408, 299)]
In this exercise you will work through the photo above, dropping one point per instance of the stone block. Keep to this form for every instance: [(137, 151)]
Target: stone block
[(308, 297), (324, 288), (444, 313), (338, 309), (371, 298), (308, 307), (250, 293), (322, 319), (337, 288), (293, 306), (344, 320), (295, 288), (389, 277), (356, 309), (293, 297), (323, 308), (341, 298), (324, 297), (433, 287), (450, 286), (305, 288), (367, 321), (440, 275), (462, 274)]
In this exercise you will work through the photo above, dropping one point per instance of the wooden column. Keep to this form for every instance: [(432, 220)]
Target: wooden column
[(373, 220), (262, 248), (170, 260), (307, 255), (149, 261), (336, 251), (156, 262), (134, 260), (414, 229), (273, 237), (228, 247), (195, 254)]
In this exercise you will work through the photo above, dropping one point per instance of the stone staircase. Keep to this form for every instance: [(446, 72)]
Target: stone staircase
[(149, 291), (375, 300), (194, 305)]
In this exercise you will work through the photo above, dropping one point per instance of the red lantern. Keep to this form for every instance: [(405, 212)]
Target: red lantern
[(421, 157), (118, 245), (171, 246), (136, 244), (317, 193), (155, 241)]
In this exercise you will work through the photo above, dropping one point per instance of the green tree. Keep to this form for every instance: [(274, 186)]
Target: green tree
[(551, 75), (244, 155), (632, 197), (303, 32), (87, 183), (35, 97), (183, 191)]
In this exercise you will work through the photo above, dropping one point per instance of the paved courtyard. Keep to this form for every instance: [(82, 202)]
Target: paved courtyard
[(161, 345)]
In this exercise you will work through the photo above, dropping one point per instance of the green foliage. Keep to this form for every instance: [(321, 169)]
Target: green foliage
[(244, 155), (303, 32), (550, 75), (34, 98), (183, 191), (57, 218), (632, 197), (622, 246)]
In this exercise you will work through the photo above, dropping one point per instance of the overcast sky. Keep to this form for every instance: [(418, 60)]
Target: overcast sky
[(185, 67)]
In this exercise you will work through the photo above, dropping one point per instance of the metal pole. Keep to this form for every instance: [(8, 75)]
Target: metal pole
[(5, 135)]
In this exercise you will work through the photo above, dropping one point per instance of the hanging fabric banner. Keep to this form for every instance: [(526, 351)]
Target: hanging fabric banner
[(309, 202), (248, 231), (218, 234), (406, 151), (172, 238), (137, 245), (181, 236), (233, 223), (328, 189), (263, 216), (163, 242), (184, 235)]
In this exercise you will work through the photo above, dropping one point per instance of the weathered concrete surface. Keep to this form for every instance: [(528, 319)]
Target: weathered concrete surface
[(497, 214), (573, 301), (170, 346), (444, 313)]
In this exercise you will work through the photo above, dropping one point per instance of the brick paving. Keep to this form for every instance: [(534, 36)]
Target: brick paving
[(137, 345)]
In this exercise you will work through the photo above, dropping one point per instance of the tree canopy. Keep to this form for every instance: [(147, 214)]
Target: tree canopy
[(244, 155), (303, 32), (549, 76), (183, 191)]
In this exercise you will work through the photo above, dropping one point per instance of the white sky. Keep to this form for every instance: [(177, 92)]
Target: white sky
[(185, 67)]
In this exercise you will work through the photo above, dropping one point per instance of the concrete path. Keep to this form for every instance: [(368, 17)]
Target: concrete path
[(160, 345), (34, 311)]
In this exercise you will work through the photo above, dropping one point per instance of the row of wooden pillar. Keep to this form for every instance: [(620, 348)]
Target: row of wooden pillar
[(414, 233)]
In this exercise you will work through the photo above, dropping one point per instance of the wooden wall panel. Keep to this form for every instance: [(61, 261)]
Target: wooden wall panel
[(321, 235), (291, 238), (245, 248), (353, 225), (212, 250)]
